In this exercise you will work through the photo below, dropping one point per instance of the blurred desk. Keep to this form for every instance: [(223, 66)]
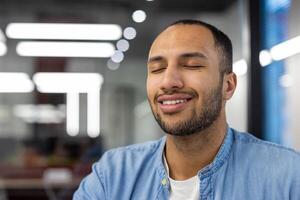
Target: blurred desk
[(37, 189), (35, 183), (40, 183)]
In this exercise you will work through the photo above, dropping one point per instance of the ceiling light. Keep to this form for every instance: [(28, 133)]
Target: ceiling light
[(286, 49), (240, 67), (93, 114), (139, 16), (112, 65), (72, 109), (56, 82), (43, 113), (62, 31), (72, 84), (65, 49), (117, 57), (14, 82), (265, 58), (123, 45), (3, 48), (129, 33)]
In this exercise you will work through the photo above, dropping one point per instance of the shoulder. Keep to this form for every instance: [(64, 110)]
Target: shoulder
[(261, 152), (140, 149), (250, 140), (130, 156), (120, 166)]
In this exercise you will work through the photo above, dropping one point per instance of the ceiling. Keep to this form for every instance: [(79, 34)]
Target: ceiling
[(159, 14), (164, 5)]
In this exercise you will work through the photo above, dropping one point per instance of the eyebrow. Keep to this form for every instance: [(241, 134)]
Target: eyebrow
[(184, 55), (194, 55), (155, 58)]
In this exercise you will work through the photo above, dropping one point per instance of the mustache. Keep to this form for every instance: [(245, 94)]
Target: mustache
[(172, 91)]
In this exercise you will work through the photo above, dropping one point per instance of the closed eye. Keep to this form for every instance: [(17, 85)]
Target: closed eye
[(193, 66), (156, 71)]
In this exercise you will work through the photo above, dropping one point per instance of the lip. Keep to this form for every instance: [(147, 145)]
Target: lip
[(173, 108), (170, 97)]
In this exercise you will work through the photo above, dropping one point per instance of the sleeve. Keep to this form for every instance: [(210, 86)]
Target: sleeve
[(295, 187), (295, 191), (91, 187)]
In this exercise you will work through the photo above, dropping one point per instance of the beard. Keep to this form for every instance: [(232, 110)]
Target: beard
[(198, 121)]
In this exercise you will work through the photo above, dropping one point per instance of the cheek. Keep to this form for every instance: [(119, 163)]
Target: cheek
[(197, 83), (201, 86), (151, 88)]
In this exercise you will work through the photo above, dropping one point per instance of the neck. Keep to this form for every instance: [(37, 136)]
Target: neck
[(186, 155)]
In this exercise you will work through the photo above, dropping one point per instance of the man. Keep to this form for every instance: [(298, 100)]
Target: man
[(189, 80)]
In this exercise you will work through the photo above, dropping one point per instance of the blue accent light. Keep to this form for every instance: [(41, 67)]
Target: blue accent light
[(277, 5), (274, 30)]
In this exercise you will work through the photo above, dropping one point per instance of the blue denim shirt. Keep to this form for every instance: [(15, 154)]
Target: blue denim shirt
[(245, 168)]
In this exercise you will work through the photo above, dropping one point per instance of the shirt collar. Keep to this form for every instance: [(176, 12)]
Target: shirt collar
[(221, 156), (218, 161)]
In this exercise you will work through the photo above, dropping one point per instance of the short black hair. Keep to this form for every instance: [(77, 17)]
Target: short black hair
[(222, 43)]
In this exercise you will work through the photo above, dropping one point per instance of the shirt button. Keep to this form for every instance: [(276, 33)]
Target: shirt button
[(164, 181)]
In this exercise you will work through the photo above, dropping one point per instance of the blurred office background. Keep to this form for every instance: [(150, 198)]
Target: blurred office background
[(73, 73)]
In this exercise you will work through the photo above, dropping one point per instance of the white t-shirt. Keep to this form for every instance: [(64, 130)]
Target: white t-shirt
[(187, 189)]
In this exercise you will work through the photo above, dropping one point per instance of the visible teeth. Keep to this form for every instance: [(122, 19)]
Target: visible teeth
[(171, 102)]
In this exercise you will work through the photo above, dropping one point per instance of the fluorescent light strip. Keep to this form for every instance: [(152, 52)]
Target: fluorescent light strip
[(286, 49), (72, 119), (93, 114), (42, 113), (65, 49), (240, 67), (15, 82), (265, 58), (3, 48), (62, 31), (56, 82), (73, 84)]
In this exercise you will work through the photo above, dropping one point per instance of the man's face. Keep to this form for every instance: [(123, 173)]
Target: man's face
[(184, 84)]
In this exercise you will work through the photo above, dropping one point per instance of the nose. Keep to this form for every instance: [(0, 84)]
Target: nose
[(172, 78)]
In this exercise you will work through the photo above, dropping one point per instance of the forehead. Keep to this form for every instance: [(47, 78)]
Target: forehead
[(181, 38)]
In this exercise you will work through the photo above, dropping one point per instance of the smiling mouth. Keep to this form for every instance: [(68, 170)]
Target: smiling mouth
[(173, 102), (174, 99)]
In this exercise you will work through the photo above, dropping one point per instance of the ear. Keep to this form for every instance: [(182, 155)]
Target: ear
[(229, 85)]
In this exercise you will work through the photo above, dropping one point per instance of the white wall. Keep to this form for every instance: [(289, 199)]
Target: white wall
[(234, 23), (292, 93)]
